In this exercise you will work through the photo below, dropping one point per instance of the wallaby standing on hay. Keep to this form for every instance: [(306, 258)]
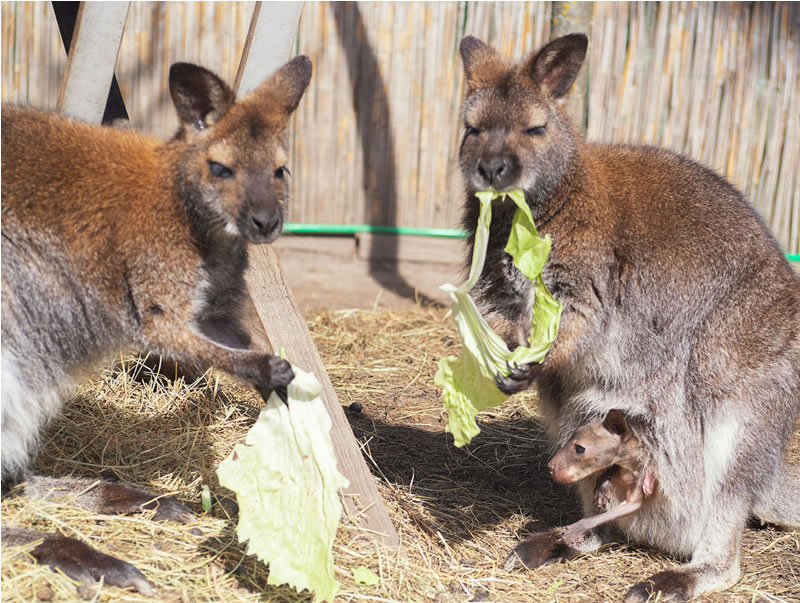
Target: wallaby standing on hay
[(113, 240), (679, 306), (604, 443)]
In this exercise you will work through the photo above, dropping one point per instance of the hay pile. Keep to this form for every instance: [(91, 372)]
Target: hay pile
[(458, 511)]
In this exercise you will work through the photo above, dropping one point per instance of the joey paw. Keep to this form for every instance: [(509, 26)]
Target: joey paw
[(86, 565), (519, 379)]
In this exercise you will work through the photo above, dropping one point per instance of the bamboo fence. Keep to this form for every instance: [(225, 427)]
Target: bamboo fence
[(376, 138)]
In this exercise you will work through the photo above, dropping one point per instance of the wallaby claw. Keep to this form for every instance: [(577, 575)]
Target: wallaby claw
[(519, 378), (283, 393)]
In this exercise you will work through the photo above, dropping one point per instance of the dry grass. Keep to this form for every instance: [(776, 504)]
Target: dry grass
[(458, 511)]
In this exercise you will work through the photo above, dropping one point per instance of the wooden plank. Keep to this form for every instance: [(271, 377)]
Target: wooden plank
[(409, 248), (284, 326), (279, 319), (91, 61), (273, 31)]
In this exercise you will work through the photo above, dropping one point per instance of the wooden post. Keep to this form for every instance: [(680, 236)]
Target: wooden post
[(92, 58), (575, 17), (278, 320)]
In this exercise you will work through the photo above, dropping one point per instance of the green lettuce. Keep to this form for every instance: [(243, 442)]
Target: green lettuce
[(467, 381), (286, 481)]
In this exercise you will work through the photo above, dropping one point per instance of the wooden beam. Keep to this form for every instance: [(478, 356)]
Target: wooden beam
[(269, 43), (92, 58), (284, 326), (278, 320)]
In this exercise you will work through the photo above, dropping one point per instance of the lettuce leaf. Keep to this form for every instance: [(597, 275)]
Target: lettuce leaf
[(467, 381), (286, 481)]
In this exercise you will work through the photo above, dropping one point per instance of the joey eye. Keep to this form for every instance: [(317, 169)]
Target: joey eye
[(281, 172), (470, 131), (219, 170), (535, 131), (579, 449)]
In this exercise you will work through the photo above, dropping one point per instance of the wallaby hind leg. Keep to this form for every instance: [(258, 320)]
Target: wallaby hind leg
[(78, 560), (714, 563), (101, 496), (781, 503)]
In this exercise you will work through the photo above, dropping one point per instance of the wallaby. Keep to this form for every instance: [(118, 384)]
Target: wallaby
[(609, 445), (114, 240), (679, 307)]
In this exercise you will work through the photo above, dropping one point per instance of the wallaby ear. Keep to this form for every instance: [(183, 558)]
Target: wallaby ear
[(615, 423), (200, 97), (482, 64), (556, 66), (287, 85)]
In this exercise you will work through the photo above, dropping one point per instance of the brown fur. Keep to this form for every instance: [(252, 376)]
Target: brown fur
[(113, 240), (679, 307)]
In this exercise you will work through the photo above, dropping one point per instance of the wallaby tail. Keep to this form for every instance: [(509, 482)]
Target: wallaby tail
[(780, 504)]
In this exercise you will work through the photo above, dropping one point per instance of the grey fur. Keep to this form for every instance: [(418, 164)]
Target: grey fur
[(679, 309)]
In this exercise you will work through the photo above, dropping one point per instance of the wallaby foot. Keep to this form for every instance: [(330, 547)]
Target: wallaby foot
[(81, 562), (683, 583), (113, 498), (671, 585), (78, 560), (539, 549)]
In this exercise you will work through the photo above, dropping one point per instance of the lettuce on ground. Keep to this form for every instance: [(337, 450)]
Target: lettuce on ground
[(467, 381), (286, 481)]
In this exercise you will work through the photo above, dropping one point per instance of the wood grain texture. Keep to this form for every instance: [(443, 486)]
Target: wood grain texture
[(92, 57), (284, 327)]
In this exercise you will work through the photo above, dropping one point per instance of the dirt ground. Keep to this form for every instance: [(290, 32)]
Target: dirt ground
[(337, 273)]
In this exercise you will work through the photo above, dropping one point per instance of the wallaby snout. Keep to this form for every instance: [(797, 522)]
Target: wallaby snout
[(499, 172), (261, 216), (262, 224)]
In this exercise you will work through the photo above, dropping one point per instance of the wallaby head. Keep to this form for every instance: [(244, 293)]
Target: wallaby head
[(516, 131), (233, 162), (593, 447)]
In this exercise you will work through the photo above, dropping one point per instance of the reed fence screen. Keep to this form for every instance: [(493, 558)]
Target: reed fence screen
[(376, 138)]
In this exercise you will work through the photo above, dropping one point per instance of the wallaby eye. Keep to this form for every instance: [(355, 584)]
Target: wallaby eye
[(219, 170), (281, 172), (579, 449), (535, 131), (470, 131)]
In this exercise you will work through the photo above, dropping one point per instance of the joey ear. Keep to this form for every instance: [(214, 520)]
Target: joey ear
[(481, 62), (615, 423), (200, 97), (556, 65), (286, 86)]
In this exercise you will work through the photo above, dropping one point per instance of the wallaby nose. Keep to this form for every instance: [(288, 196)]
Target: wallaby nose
[(493, 169), (264, 221)]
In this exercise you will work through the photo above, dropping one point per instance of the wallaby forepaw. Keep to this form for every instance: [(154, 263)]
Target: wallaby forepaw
[(519, 379), (81, 562), (670, 585), (281, 373)]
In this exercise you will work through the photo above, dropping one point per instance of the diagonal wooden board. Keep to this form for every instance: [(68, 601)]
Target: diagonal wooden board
[(276, 320), (273, 31)]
